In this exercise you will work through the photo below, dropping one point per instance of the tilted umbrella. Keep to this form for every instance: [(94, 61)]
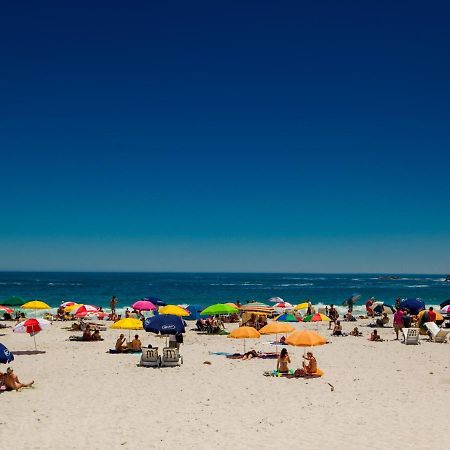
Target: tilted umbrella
[(413, 305), (218, 308), (245, 333), (155, 300), (444, 303), (318, 317), (32, 327), (5, 355), (275, 300), (303, 305), (66, 304), (445, 309)]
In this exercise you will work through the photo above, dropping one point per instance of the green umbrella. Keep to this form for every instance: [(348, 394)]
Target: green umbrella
[(13, 301), (218, 308), (287, 318)]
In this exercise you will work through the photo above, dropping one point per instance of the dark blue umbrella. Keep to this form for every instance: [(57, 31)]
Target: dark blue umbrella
[(413, 305), (165, 324), (156, 301), (5, 355)]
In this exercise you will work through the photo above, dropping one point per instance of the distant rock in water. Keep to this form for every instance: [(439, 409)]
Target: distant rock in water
[(390, 277)]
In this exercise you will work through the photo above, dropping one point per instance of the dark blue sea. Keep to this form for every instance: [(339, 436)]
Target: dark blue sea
[(209, 288)]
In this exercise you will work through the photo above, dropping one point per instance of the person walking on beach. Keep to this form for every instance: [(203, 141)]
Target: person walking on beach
[(398, 322), (333, 315), (113, 304)]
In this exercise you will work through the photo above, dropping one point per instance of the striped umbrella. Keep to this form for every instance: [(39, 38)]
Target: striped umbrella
[(287, 318), (32, 327), (5, 309), (66, 304), (316, 318), (84, 309)]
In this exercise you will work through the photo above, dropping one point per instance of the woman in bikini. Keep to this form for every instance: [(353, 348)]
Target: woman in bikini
[(11, 381), (283, 361)]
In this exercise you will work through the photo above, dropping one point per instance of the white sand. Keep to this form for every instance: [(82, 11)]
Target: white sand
[(387, 395)]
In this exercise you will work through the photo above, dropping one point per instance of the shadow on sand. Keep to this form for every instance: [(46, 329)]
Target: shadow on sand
[(28, 352)]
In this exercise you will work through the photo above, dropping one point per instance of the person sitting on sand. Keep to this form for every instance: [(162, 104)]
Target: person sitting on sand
[(96, 336), (337, 331), (283, 360), (87, 336), (308, 368), (136, 344), (383, 321), (12, 382), (375, 336), (120, 344), (355, 332)]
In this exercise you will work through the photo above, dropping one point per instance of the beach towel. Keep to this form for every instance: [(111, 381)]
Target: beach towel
[(114, 351), (294, 374)]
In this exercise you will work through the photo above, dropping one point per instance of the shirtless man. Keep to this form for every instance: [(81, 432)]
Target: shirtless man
[(11, 381), (136, 344), (311, 367), (120, 344)]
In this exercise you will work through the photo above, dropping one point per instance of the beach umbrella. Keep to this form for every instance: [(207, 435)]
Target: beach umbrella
[(127, 323), (84, 309), (32, 327), (218, 308), (439, 317), (5, 309), (66, 304), (283, 305), (275, 300), (70, 308), (94, 314), (303, 305), (318, 317), (277, 328), (35, 305), (156, 301), (305, 338), (444, 303), (251, 308), (287, 318), (165, 324), (13, 301), (444, 310), (5, 355), (352, 299), (174, 310), (143, 305), (245, 333), (232, 305), (413, 305)]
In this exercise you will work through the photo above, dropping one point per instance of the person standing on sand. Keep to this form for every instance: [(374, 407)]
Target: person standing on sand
[(113, 304), (398, 322), (333, 315)]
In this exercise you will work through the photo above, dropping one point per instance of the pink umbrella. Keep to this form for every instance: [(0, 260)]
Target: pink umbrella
[(143, 305), (98, 314), (32, 327), (444, 310), (85, 308)]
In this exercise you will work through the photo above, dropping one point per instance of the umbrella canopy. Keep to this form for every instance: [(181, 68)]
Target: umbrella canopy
[(35, 304), (287, 318), (257, 309), (143, 305), (6, 309), (66, 304), (305, 338), (276, 328), (438, 315), (303, 305), (275, 300), (156, 301), (444, 310), (84, 309), (444, 303), (174, 310), (316, 318), (283, 305), (13, 301), (245, 333), (231, 305), (96, 314), (5, 355), (218, 308), (31, 326), (165, 324), (127, 323), (414, 305), (70, 308)]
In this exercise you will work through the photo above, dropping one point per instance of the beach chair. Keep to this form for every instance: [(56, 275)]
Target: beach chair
[(171, 357), (437, 334), (411, 336), (150, 358)]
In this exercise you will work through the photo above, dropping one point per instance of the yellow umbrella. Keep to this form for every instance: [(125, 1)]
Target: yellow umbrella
[(245, 333), (303, 305), (173, 309), (128, 323), (72, 307), (35, 304), (438, 315)]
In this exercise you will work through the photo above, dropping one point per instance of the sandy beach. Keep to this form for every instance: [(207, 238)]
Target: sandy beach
[(387, 395)]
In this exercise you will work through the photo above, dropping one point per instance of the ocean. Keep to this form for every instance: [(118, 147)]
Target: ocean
[(208, 288)]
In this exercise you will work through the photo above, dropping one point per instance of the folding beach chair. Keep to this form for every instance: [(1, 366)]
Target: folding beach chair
[(171, 357), (411, 336), (437, 334), (150, 357)]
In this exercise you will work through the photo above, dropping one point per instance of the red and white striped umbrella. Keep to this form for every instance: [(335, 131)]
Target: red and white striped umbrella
[(32, 327), (65, 304), (6, 309), (85, 308), (283, 305), (97, 314)]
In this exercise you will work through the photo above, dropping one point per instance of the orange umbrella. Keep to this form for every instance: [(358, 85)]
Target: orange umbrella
[(245, 333), (305, 338), (276, 328)]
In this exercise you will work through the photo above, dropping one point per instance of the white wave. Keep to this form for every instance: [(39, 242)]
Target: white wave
[(418, 286), (294, 284)]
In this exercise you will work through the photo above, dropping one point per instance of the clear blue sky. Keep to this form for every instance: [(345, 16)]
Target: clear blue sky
[(225, 136)]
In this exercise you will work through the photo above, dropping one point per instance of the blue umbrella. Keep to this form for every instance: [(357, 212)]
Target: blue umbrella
[(413, 305), (165, 324), (156, 301), (5, 355)]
